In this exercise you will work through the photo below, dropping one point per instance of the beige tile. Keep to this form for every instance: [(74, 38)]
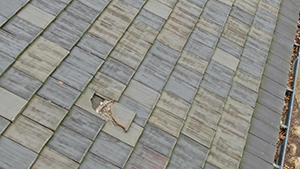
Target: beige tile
[(260, 35), (209, 26), (135, 43), (36, 16), (221, 159), (123, 115), (143, 31), (247, 5), (51, 159), (179, 26), (269, 7), (209, 100), (166, 122), (247, 80), (193, 62), (227, 2), (28, 133), (225, 59), (172, 39), (239, 109), (169, 3), (158, 8), (188, 8), (198, 131)]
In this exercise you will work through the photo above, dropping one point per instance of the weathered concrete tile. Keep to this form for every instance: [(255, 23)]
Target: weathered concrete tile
[(19, 83), (198, 131), (210, 166), (11, 45), (190, 77), (221, 159), (72, 76), (251, 161), (106, 86), (215, 85), (36, 16), (150, 19), (265, 20), (117, 70), (204, 37), (216, 11), (97, 5), (60, 94), (254, 46), (44, 112), (276, 75), (95, 46), (204, 115), (200, 3), (225, 59), (93, 161), (158, 8), (83, 122), (84, 60), (234, 124), (269, 100), (224, 140), (70, 143), (209, 100), (13, 155), (3, 124), (209, 26), (243, 94), (28, 133), (238, 109), (85, 101), (247, 80), (272, 87), (268, 6), (166, 53), (241, 15), (50, 158), (169, 3), (111, 149), (171, 39), (267, 115), (141, 155), (2, 20), (279, 62), (173, 104), (142, 112), (143, 31), (230, 47), (11, 104), (82, 12), (220, 72), (227, 2), (274, 2), (188, 154), (249, 66), (260, 148), (9, 8), (53, 8), (5, 63), (22, 29), (158, 140), (180, 89), (123, 115), (142, 94), (137, 4), (247, 5), (130, 137), (135, 43), (192, 62), (236, 31), (166, 122), (40, 59), (260, 35)]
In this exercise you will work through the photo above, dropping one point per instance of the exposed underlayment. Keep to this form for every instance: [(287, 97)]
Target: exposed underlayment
[(197, 83)]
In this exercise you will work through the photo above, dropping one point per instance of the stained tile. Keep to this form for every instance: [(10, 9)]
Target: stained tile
[(241, 15), (150, 19), (61, 94), (111, 149), (11, 45), (220, 72), (190, 77), (221, 159), (236, 31), (209, 26), (216, 12), (192, 62), (28, 133), (5, 63), (247, 5), (230, 47), (260, 34), (209, 100), (198, 49), (265, 19), (204, 37), (239, 109), (247, 80), (249, 66), (171, 39), (243, 94), (215, 85), (143, 31), (3, 124), (69, 143), (22, 157), (93, 161)]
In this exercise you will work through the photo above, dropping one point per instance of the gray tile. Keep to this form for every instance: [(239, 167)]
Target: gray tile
[(278, 62), (2, 20), (180, 89), (97, 5), (250, 161), (210, 166), (188, 154), (265, 20), (272, 87), (117, 70), (286, 27), (260, 148), (111, 149), (82, 12), (150, 19), (243, 94), (267, 115), (135, 3), (14, 155), (230, 47), (72, 76), (61, 94), (9, 8), (272, 102), (216, 12), (158, 140), (19, 83), (92, 161), (166, 53), (249, 66), (241, 15), (204, 37), (200, 3), (275, 74), (198, 49), (52, 7), (140, 158), (95, 45), (11, 45), (5, 62), (290, 10), (190, 77), (256, 50), (83, 122), (3, 124), (220, 72), (142, 112), (70, 143), (215, 85), (282, 47), (84, 60), (22, 29), (274, 2)]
